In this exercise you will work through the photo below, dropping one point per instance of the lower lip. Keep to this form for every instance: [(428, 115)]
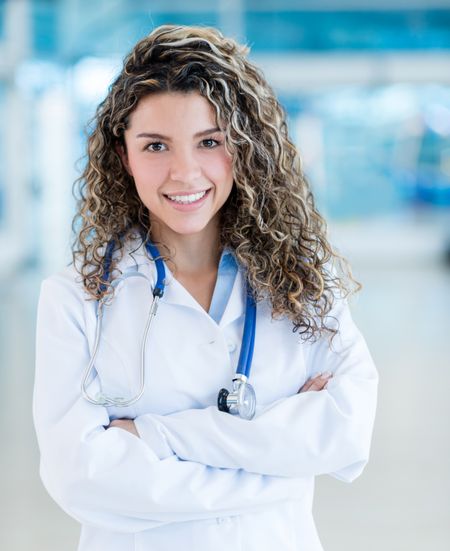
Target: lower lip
[(189, 206)]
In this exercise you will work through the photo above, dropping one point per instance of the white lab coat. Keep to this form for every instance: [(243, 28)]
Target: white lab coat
[(197, 479)]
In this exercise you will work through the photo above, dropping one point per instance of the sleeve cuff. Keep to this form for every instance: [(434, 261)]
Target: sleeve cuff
[(150, 432)]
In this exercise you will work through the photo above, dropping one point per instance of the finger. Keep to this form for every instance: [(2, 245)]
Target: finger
[(321, 382), (317, 383), (314, 380), (307, 385)]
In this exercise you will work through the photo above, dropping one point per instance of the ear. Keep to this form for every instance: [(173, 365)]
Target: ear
[(121, 151)]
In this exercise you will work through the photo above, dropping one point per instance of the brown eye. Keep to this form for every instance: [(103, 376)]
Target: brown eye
[(155, 147), (209, 143)]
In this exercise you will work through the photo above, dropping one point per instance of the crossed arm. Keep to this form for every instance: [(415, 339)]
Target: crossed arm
[(307, 434), (325, 428), (313, 384)]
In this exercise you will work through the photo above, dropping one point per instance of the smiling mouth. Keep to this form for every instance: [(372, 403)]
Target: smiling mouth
[(187, 199)]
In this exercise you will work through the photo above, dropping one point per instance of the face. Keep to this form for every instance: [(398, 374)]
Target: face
[(176, 155)]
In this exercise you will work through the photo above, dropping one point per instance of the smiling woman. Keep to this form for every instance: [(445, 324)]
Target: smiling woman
[(194, 210), (182, 171)]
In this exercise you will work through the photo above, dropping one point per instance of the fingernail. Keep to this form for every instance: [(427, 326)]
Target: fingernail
[(326, 375)]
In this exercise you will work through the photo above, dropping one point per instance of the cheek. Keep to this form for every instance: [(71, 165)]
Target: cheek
[(149, 175), (220, 169)]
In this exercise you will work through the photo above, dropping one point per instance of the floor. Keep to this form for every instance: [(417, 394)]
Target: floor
[(402, 500)]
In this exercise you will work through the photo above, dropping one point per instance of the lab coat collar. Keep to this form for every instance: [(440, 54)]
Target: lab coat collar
[(235, 307), (135, 257)]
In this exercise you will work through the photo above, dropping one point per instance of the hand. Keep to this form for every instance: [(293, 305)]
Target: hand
[(125, 424), (318, 382)]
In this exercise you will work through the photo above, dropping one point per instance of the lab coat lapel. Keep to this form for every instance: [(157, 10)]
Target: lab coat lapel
[(236, 303), (175, 293)]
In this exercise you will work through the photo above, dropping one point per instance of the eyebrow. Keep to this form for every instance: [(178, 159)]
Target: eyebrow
[(166, 138)]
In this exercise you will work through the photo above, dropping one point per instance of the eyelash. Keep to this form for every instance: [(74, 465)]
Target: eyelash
[(216, 142), (148, 146)]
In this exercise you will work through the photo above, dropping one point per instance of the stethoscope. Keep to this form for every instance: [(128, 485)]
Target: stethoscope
[(240, 401)]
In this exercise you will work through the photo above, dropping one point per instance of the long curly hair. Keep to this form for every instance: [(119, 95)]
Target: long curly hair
[(270, 219)]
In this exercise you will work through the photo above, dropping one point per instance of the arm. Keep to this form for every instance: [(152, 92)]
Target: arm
[(110, 478), (310, 433)]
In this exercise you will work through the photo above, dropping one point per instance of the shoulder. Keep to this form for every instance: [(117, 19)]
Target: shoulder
[(71, 280), (67, 278), (62, 297), (347, 340)]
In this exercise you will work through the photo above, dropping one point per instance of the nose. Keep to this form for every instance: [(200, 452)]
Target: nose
[(184, 167)]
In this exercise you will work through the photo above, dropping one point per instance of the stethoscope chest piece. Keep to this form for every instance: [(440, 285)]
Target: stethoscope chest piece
[(241, 401)]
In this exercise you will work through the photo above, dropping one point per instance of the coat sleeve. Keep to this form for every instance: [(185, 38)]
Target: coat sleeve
[(111, 478), (306, 434)]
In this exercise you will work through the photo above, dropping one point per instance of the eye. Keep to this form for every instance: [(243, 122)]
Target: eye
[(209, 143), (155, 147)]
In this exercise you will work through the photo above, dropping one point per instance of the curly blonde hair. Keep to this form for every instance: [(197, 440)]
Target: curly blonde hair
[(269, 220)]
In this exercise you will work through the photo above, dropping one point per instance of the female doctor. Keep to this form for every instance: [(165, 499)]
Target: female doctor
[(196, 364)]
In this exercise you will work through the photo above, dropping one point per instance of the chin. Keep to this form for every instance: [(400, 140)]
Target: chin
[(188, 229)]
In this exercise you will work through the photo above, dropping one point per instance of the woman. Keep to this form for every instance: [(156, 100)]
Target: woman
[(190, 162)]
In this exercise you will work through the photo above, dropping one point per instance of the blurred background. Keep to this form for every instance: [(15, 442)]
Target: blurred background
[(366, 86)]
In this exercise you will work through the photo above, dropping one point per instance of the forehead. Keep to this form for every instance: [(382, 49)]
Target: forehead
[(165, 109)]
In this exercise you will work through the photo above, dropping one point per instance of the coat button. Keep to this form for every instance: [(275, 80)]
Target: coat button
[(223, 520), (231, 346)]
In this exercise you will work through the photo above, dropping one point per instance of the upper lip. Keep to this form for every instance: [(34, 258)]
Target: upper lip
[(193, 192)]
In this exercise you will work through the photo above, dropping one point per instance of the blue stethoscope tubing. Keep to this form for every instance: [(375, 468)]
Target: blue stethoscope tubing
[(248, 340), (241, 400)]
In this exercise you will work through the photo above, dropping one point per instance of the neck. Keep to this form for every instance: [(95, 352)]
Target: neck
[(193, 254)]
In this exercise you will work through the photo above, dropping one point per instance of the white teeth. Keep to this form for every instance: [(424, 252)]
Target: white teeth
[(186, 199)]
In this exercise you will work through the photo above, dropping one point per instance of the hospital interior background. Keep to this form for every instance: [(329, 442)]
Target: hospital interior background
[(366, 86)]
